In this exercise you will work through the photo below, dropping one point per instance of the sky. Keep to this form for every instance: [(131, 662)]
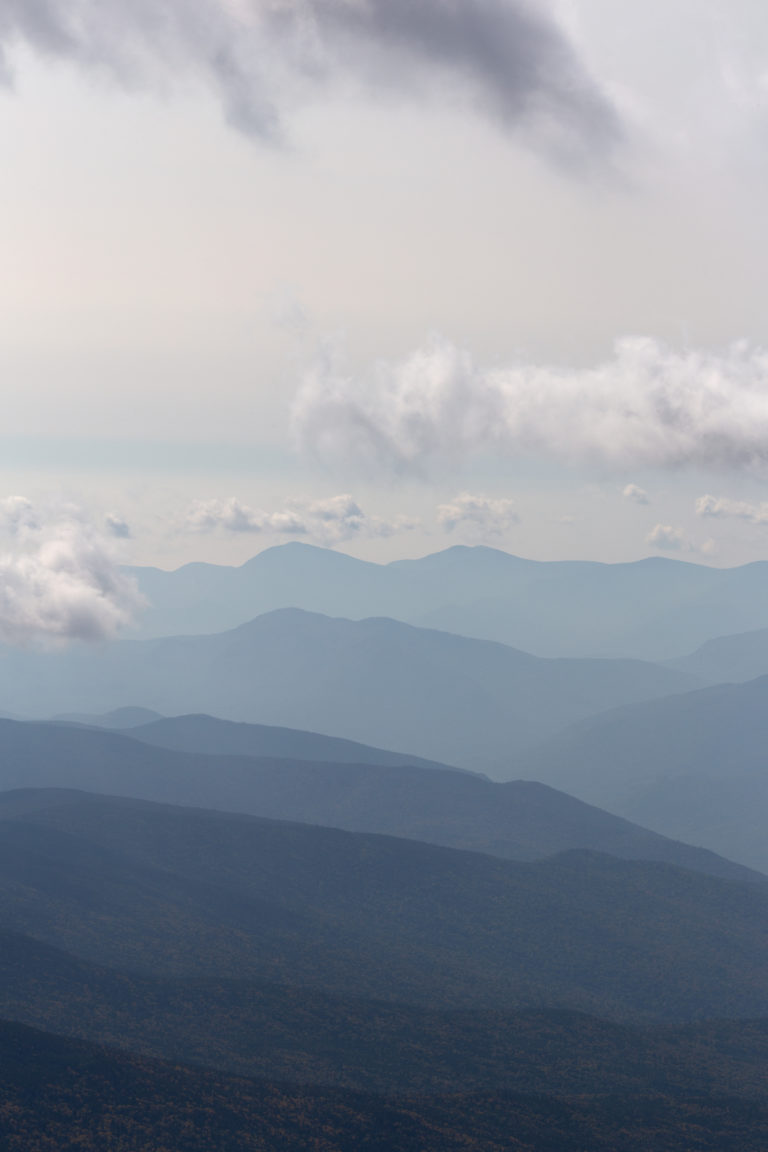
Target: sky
[(379, 275)]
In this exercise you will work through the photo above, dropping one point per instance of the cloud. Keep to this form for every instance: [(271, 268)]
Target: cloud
[(511, 60), (117, 527), (328, 522), (18, 515), (721, 508), (668, 539), (647, 406), (482, 515), (634, 492), (63, 582)]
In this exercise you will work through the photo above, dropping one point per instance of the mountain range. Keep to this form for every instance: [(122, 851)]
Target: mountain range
[(436, 804), (472, 703), (458, 853), (653, 609)]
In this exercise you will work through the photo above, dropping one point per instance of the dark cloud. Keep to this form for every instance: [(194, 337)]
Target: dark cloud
[(507, 57), (515, 60)]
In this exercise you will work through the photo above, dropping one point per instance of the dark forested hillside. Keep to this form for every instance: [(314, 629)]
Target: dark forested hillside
[(250, 1028), (65, 1094), (189, 893)]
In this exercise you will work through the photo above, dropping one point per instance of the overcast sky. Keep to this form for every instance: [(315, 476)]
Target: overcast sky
[(385, 275)]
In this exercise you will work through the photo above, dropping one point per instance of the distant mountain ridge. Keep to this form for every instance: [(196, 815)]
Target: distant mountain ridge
[(519, 821), (473, 703), (654, 609), (694, 766), (212, 735), (726, 659)]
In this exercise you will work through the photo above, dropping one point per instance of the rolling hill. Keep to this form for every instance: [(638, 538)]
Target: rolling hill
[(436, 804)]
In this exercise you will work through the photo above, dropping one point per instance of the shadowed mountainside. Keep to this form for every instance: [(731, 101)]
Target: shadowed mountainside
[(296, 1034), (66, 1094), (180, 892), (521, 821), (209, 734)]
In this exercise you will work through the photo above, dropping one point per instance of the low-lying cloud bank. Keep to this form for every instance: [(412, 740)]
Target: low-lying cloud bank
[(326, 522), (61, 581), (509, 58), (647, 406)]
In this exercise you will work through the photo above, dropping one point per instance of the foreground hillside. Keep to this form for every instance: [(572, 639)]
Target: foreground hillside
[(66, 1095), (179, 892), (293, 1033), (272, 985)]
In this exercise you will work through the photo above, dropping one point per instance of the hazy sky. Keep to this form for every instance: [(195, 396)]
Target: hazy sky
[(384, 274)]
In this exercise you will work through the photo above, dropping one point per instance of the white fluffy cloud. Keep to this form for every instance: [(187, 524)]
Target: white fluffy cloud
[(329, 521), (18, 515), (720, 508), (505, 56), (636, 493), (62, 580), (480, 515), (668, 539), (645, 407)]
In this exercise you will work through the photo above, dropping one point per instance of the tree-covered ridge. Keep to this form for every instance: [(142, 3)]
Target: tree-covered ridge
[(304, 1036), (60, 1095), (180, 892)]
